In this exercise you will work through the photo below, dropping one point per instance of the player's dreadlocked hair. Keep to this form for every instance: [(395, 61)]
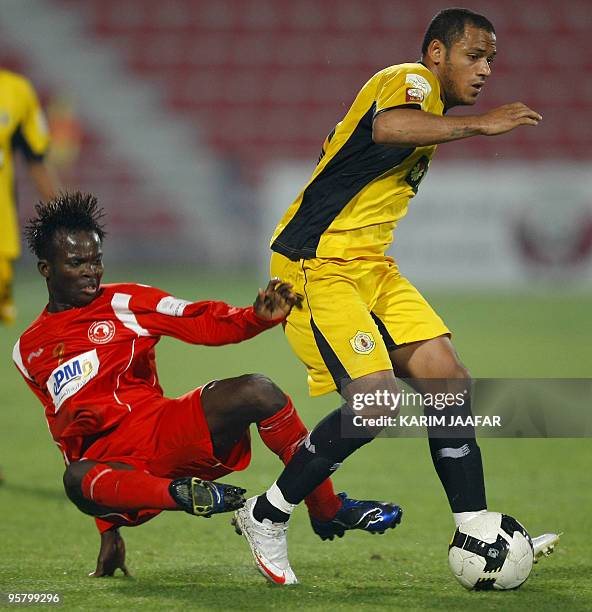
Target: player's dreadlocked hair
[(448, 26), (69, 211)]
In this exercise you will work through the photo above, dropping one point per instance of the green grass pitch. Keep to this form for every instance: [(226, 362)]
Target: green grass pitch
[(182, 563)]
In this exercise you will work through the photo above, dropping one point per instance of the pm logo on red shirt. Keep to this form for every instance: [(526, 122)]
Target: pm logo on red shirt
[(100, 332), (69, 377)]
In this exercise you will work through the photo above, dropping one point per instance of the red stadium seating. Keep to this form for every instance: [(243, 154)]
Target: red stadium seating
[(268, 78), (99, 170)]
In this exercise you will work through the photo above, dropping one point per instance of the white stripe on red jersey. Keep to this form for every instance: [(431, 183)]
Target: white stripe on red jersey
[(89, 366)]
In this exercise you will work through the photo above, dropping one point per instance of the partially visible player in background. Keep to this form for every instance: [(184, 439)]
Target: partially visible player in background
[(23, 129)]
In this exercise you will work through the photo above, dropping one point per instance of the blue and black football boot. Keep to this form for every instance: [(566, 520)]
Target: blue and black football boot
[(204, 498), (367, 515)]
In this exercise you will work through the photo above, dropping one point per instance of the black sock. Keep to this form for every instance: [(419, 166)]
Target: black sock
[(459, 466), (457, 459), (264, 509), (313, 463)]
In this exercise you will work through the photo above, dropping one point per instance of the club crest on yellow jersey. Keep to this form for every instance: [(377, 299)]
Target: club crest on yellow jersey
[(363, 343)]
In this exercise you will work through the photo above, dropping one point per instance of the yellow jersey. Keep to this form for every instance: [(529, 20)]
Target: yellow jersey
[(359, 190), (22, 127)]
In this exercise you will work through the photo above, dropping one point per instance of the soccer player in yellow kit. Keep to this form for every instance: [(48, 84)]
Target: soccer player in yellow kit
[(22, 128), (361, 321)]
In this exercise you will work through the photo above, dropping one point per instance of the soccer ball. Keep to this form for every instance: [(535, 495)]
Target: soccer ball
[(491, 551)]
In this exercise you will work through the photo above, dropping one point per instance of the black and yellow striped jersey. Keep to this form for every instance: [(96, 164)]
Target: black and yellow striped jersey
[(359, 190), (22, 127)]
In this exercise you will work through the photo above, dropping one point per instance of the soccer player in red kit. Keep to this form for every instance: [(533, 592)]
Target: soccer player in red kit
[(131, 452)]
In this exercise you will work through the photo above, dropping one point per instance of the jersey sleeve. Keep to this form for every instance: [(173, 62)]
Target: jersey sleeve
[(31, 383), (208, 323), (32, 135), (70, 431), (409, 87)]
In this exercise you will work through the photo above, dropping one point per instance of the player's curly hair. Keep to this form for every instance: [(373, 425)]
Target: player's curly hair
[(68, 211), (448, 26)]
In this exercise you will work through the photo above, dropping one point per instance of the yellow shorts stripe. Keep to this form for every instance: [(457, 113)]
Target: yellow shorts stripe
[(386, 337), (353, 314), (335, 368)]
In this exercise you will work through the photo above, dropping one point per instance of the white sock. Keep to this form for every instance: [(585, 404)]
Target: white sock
[(277, 499), (463, 517)]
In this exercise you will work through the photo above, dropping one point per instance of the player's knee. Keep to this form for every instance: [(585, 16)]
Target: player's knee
[(261, 395), (460, 372), (452, 369), (73, 477)]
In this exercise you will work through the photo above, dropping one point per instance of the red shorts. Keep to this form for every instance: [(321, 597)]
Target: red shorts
[(170, 439)]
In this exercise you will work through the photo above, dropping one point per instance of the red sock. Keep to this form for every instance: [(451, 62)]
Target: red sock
[(283, 433), (127, 490)]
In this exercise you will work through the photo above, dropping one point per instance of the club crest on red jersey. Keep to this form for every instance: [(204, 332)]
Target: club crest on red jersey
[(101, 332)]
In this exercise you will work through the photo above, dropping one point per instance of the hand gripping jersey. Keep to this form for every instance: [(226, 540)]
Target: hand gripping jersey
[(359, 190), (92, 366)]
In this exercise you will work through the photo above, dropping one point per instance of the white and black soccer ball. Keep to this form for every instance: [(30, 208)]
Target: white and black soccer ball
[(491, 551)]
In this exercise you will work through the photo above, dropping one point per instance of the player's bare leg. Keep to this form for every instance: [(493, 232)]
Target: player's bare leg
[(264, 519), (434, 358), (433, 366), (461, 472), (231, 405)]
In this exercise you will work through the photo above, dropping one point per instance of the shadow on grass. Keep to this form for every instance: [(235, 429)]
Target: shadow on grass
[(250, 593), (243, 587), (217, 588), (14, 489)]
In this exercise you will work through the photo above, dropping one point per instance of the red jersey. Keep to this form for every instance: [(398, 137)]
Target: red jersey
[(91, 366)]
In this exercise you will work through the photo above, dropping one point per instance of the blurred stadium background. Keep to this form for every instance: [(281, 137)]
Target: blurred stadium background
[(196, 123)]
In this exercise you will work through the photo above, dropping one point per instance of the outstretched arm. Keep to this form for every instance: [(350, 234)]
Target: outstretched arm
[(405, 127), (208, 323), (45, 179)]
